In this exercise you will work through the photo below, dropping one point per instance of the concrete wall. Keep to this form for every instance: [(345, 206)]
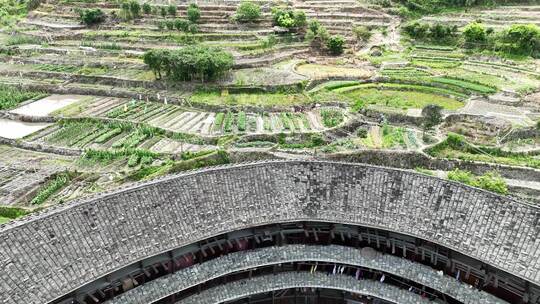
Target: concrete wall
[(47, 255)]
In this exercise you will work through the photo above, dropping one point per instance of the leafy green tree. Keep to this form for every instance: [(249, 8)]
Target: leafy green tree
[(316, 33), (189, 63), (92, 16), (171, 10), (288, 18), (474, 33), (417, 30), (181, 25), (522, 39), (135, 9), (335, 44), (164, 12), (248, 12), (147, 9), (432, 116), (193, 13)]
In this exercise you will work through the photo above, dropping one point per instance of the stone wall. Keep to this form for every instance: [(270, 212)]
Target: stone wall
[(49, 254), (244, 260)]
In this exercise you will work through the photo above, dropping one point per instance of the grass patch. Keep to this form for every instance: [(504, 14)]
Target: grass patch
[(322, 71), (400, 99)]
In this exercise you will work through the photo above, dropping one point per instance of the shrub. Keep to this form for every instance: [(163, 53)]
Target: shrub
[(316, 33), (362, 132), (92, 16), (335, 44), (147, 9), (163, 11), (171, 10), (135, 9), (169, 24), (416, 30), (181, 25), (474, 33), (362, 33), (288, 18), (491, 181), (521, 39), (193, 13), (331, 118), (248, 12), (189, 63)]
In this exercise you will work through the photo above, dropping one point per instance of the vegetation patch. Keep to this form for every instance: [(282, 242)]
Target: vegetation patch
[(11, 97), (491, 181), (400, 97), (331, 117), (456, 147), (262, 99), (53, 186)]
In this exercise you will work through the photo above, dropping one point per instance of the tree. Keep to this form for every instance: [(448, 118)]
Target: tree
[(335, 44), (193, 13), (92, 16), (135, 9), (432, 116), (316, 33), (171, 10), (416, 30), (288, 18), (147, 9), (164, 12), (474, 33), (522, 39), (181, 25), (189, 63), (248, 12)]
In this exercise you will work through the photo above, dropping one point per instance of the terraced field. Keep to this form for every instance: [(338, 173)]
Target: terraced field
[(88, 96)]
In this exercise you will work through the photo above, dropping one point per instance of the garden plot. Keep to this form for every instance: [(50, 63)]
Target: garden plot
[(47, 105), (516, 116), (169, 146), (17, 129), (496, 18), (16, 182), (319, 71)]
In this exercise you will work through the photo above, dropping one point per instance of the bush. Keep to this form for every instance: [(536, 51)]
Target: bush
[(189, 63), (92, 16), (171, 10), (491, 181), (288, 18), (335, 44), (521, 39), (169, 24), (163, 11), (193, 13), (362, 33), (316, 33), (437, 32), (362, 132), (135, 9), (147, 9), (181, 25), (248, 12), (474, 33)]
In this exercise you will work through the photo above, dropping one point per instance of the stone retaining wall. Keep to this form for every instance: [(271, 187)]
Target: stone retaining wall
[(49, 254)]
